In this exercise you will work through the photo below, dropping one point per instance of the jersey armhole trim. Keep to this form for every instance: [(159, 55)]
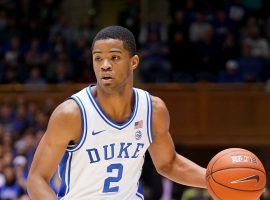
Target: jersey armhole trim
[(149, 117), (84, 125), (64, 170), (139, 192)]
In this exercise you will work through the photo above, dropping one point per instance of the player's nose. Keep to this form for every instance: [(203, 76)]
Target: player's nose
[(106, 65)]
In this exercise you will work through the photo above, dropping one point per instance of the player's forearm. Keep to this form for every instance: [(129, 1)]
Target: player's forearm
[(39, 189), (186, 172)]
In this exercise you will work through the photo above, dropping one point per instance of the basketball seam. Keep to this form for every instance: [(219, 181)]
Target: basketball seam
[(238, 167), (212, 188)]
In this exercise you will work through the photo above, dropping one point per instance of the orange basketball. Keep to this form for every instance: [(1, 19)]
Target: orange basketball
[(235, 174)]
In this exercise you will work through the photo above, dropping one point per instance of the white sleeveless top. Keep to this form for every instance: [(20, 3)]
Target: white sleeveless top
[(107, 161)]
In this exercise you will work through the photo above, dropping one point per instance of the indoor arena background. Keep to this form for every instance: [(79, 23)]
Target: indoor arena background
[(208, 60)]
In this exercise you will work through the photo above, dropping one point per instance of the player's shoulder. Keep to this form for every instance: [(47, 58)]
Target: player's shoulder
[(158, 105), (67, 110), (160, 116)]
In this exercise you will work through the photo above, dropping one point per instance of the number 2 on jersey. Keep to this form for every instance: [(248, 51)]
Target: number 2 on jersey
[(110, 168)]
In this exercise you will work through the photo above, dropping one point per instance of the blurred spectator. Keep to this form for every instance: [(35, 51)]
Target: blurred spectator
[(81, 58), (11, 189), (37, 55), (8, 156), (60, 70), (222, 25), (58, 45), (230, 48), (181, 58), (178, 25), (198, 28), (129, 17), (236, 11), (266, 28), (250, 66), (153, 25), (21, 171), (62, 27), (6, 117), (13, 51), (205, 53), (48, 11), (20, 120), (41, 121), (231, 73), (35, 77), (13, 60), (12, 27), (3, 19), (155, 66), (259, 45), (87, 29)]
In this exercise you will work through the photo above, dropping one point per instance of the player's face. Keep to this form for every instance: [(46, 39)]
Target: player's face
[(113, 64)]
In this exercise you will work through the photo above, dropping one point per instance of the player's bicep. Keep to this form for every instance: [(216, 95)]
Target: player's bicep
[(162, 149), (64, 126)]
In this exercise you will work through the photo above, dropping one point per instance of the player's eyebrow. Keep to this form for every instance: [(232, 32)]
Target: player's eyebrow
[(113, 50), (96, 51)]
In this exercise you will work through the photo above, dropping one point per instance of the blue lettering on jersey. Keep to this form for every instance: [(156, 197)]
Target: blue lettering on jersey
[(93, 155), (136, 153), (124, 149), (107, 152)]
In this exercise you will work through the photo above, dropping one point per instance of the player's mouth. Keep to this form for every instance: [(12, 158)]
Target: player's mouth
[(107, 78)]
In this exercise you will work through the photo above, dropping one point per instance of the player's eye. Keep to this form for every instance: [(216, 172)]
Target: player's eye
[(115, 57), (97, 58)]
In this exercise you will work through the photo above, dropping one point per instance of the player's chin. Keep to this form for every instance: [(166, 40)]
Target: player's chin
[(108, 85)]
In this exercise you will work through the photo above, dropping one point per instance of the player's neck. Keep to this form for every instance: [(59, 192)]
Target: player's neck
[(117, 106)]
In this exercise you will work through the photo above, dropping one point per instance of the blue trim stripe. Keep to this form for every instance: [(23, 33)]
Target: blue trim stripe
[(84, 125), (140, 196), (64, 169), (106, 119), (139, 192), (69, 171), (149, 117)]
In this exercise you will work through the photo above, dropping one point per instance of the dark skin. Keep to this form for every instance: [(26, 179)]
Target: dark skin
[(113, 66)]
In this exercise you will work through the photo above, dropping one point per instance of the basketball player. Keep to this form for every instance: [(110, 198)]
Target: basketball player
[(99, 136)]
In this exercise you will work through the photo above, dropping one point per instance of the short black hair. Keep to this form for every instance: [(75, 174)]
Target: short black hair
[(118, 33)]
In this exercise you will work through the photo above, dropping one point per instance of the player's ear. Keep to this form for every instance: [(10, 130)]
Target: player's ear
[(135, 61)]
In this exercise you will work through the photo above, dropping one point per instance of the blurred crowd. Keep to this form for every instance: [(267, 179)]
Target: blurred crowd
[(203, 40), (22, 124), (207, 40), (38, 44)]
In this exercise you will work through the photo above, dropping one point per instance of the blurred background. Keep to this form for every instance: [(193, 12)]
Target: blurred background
[(208, 59)]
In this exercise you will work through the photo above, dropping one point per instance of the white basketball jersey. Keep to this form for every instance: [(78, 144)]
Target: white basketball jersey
[(107, 161)]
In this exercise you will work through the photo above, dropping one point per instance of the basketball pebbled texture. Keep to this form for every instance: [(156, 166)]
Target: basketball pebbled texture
[(235, 174)]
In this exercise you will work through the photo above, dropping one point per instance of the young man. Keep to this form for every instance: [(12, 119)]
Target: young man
[(100, 135)]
